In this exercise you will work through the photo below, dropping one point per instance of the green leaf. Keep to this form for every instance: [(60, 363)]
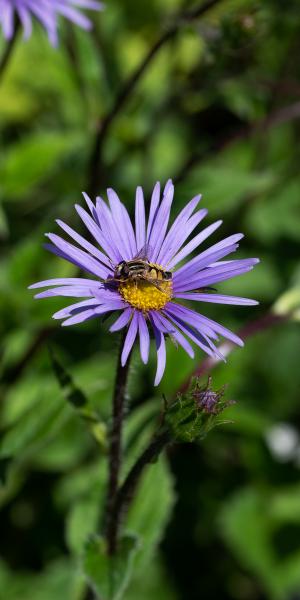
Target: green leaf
[(79, 401), (71, 393), (151, 583), (59, 579), (109, 575), (252, 521), (86, 490), (276, 216), (34, 428), (27, 163), (82, 521), (151, 509)]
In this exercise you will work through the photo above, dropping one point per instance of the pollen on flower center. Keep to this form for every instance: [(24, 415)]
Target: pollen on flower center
[(144, 295)]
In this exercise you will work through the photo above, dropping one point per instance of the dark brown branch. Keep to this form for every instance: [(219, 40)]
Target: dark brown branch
[(262, 324), (116, 448), (95, 163)]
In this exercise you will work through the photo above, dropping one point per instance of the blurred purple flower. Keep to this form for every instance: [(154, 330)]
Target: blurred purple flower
[(46, 12), (145, 303)]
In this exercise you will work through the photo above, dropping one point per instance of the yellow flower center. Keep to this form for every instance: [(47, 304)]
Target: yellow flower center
[(144, 295)]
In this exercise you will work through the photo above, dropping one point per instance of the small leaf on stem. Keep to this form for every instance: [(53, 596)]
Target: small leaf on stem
[(108, 574)]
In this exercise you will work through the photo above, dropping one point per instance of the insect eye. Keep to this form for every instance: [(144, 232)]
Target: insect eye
[(125, 268), (168, 275)]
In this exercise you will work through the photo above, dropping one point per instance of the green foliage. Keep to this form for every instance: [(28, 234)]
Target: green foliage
[(79, 401), (150, 512), (109, 575), (217, 110), (264, 518), (31, 161)]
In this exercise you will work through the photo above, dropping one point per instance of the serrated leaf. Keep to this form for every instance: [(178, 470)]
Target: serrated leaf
[(109, 575)]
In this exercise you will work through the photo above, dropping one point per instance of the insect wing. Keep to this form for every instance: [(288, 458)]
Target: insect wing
[(143, 253)]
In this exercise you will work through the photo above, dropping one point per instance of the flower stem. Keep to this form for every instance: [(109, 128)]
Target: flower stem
[(127, 489), (115, 449), (9, 49)]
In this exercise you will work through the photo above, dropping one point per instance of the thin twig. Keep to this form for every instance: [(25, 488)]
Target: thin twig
[(264, 323), (115, 448), (95, 163), (8, 50)]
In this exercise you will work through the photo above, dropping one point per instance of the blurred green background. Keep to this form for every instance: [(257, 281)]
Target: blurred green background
[(218, 110)]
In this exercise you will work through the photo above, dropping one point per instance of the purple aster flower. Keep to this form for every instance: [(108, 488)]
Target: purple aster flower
[(139, 272), (46, 12)]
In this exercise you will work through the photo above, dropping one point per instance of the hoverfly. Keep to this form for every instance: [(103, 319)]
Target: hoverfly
[(140, 269)]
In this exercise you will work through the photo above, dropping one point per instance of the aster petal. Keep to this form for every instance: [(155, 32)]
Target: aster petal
[(68, 311), (153, 208), (91, 4), (199, 320), (194, 333), (104, 294), (86, 245), (26, 21), (218, 299), (140, 219), (130, 338), (7, 20), (64, 281), (75, 291), (90, 313), (177, 226), (198, 239), (73, 15), (46, 12), (176, 334), (122, 223), (183, 232), (216, 251), (91, 206), (122, 320), (46, 15), (161, 350), (214, 275), (97, 233), (63, 255), (198, 268), (81, 257), (116, 242), (144, 338), (160, 223)]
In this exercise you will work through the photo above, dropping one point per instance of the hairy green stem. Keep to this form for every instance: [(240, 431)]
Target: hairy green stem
[(127, 489)]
